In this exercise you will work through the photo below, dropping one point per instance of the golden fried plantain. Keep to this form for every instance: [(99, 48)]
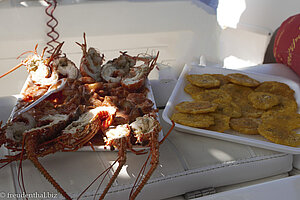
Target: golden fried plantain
[(229, 109), (263, 100), (270, 109), (278, 126), (221, 123), (289, 120), (192, 89), (279, 134), (246, 125), (277, 88), (242, 79), (203, 80), (237, 92), (239, 96), (193, 120), (212, 95), (248, 110), (223, 80), (286, 104), (196, 107)]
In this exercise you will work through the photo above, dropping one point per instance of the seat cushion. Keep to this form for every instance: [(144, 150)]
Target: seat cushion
[(189, 162)]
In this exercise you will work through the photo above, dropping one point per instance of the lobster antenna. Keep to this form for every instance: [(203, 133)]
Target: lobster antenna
[(44, 172), (8, 162), (10, 159), (84, 45), (121, 160), (92, 146), (56, 52), (43, 53), (170, 130), (139, 176), (13, 69), (106, 173), (97, 178), (20, 171)]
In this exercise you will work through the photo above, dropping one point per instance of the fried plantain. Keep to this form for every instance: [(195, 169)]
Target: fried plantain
[(263, 100), (192, 89), (229, 109), (286, 104), (278, 127), (223, 80), (248, 110), (196, 107), (212, 95), (290, 120), (203, 80), (221, 122), (245, 125), (279, 134), (193, 120), (270, 109), (242, 79), (237, 92), (277, 88)]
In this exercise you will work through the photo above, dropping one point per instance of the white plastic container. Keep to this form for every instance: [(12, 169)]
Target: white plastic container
[(179, 95)]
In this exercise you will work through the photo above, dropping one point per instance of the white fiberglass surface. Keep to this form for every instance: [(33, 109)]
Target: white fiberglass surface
[(286, 188)]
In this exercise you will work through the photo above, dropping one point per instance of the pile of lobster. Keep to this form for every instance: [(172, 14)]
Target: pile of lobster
[(107, 101)]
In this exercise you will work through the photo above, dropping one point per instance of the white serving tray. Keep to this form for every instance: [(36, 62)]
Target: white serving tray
[(98, 147), (178, 95)]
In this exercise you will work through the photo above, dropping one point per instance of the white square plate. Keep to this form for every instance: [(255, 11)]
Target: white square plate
[(88, 148)]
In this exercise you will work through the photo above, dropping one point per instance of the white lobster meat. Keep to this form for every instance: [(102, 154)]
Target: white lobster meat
[(66, 67), (114, 70), (91, 61)]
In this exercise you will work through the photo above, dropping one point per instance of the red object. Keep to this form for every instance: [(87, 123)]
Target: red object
[(287, 43)]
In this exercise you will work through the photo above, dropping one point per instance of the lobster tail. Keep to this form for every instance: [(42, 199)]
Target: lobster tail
[(82, 130)]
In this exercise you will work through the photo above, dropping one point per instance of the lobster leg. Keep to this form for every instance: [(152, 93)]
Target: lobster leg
[(154, 149), (10, 159), (2, 135), (30, 150), (121, 161), (43, 171)]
